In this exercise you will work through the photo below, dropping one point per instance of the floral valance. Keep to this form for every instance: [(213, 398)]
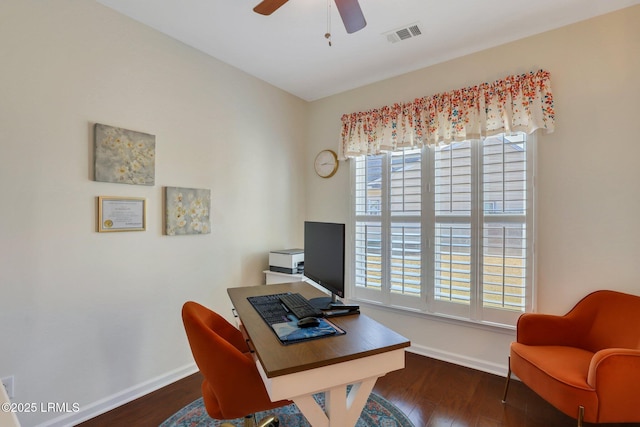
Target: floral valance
[(516, 103)]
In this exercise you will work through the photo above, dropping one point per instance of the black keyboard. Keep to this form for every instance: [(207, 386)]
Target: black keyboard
[(299, 306), (270, 308)]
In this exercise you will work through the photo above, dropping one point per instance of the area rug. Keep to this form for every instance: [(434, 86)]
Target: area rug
[(378, 412)]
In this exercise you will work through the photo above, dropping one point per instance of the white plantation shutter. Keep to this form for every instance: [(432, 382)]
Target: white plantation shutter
[(388, 237), (368, 264), (406, 259), (405, 252), (506, 226), (453, 193), (368, 226), (447, 230)]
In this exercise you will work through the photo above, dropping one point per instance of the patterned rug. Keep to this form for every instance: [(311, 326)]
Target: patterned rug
[(378, 412)]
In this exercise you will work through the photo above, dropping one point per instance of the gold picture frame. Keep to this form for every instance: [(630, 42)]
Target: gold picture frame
[(121, 214)]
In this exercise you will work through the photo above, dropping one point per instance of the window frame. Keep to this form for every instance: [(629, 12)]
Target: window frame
[(427, 304)]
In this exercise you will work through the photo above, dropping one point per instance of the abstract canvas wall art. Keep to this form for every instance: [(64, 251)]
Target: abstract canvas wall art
[(124, 156), (187, 211)]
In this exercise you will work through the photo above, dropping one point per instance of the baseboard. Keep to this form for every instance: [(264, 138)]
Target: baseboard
[(111, 402), (104, 405), (458, 359)]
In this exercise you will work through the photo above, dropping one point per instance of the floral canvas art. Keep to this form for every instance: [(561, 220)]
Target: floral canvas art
[(124, 156), (187, 211)]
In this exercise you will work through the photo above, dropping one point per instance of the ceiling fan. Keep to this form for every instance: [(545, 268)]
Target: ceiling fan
[(350, 12)]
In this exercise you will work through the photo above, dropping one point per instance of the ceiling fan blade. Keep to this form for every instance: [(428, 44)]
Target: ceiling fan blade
[(351, 15), (267, 7)]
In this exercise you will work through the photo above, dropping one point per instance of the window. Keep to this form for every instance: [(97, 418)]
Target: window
[(447, 230)]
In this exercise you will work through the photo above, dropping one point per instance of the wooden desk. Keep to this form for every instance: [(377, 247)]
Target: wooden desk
[(366, 352)]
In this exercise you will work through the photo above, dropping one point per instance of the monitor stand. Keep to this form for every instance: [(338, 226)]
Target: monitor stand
[(323, 303)]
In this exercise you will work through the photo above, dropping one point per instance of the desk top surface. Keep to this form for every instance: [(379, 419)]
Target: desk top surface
[(364, 336)]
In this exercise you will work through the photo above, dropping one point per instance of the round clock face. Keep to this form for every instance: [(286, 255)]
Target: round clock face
[(326, 163)]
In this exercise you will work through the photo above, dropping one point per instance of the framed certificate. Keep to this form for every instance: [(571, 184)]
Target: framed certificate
[(121, 214)]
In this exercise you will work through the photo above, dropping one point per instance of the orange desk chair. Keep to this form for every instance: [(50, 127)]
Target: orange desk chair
[(232, 387), (585, 363)]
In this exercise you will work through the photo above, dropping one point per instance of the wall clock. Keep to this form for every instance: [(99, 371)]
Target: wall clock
[(326, 163)]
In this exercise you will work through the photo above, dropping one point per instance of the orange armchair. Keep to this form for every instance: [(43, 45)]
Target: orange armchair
[(585, 363), (232, 387)]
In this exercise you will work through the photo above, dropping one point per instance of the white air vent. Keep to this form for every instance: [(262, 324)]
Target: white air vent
[(404, 33)]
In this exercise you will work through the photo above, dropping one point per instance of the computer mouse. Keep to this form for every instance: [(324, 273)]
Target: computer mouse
[(308, 322)]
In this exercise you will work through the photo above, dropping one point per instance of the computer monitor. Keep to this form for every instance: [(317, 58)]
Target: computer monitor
[(324, 257)]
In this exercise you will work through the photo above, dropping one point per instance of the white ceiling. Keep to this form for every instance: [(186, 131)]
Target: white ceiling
[(288, 48)]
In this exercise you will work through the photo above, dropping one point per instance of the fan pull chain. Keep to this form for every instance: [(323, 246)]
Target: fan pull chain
[(327, 35)]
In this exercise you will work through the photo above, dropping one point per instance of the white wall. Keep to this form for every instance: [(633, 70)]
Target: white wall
[(93, 317), (588, 175)]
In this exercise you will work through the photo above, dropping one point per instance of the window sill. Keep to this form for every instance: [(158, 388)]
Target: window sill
[(486, 326)]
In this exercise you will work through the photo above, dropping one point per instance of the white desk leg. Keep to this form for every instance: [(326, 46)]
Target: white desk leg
[(341, 409), (336, 406), (311, 410), (357, 398)]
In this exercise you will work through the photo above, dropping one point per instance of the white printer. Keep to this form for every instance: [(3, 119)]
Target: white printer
[(290, 261)]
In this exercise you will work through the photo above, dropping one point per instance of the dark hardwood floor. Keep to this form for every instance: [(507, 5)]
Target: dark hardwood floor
[(431, 392)]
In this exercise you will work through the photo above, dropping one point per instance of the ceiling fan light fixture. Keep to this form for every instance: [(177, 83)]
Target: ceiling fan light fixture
[(351, 15), (350, 12)]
